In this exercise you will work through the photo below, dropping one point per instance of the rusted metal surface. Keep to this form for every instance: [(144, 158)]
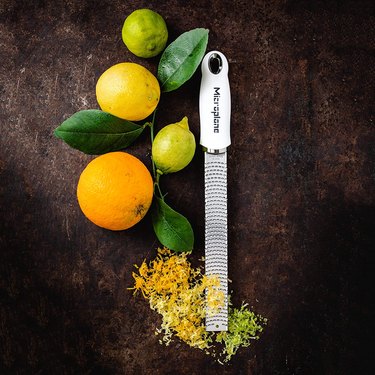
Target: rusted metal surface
[(301, 179)]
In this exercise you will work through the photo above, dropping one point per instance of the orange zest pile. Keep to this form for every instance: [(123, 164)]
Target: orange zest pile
[(177, 292)]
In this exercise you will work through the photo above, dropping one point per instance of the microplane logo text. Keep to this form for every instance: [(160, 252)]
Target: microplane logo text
[(216, 109)]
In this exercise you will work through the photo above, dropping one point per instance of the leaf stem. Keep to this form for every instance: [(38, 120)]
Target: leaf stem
[(156, 173), (152, 141), (157, 185)]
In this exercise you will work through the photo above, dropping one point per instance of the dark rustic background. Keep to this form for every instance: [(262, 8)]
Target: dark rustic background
[(301, 180)]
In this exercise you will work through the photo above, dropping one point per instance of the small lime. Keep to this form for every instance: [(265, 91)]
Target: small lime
[(173, 147), (145, 33)]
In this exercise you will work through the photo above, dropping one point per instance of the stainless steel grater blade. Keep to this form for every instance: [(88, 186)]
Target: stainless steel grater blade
[(214, 111), (216, 231)]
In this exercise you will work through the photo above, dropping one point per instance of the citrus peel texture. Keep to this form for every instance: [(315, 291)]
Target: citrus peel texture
[(177, 291)]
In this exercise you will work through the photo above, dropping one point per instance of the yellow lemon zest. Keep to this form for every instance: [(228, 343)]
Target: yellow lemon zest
[(177, 292)]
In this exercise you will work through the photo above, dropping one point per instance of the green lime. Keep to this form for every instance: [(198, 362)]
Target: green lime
[(145, 33), (173, 147)]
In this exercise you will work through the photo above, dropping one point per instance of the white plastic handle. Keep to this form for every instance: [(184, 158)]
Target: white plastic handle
[(214, 102)]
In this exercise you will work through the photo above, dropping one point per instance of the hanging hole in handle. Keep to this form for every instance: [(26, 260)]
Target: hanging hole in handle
[(215, 63)]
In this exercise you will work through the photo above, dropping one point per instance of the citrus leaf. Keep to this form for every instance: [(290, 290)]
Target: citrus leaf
[(181, 59), (96, 132), (171, 228)]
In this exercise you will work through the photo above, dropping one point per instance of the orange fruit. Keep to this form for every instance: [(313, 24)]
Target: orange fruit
[(115, 190)]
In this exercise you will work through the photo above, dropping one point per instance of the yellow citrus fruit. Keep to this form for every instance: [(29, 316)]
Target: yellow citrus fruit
[(173, 147), (128, 90), (145, 33), (115, 190)]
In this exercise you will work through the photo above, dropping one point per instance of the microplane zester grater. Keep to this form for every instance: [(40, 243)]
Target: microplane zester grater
[(214, 111)]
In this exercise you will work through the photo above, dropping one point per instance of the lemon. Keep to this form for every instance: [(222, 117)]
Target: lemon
[(128, 90), (145, 33), (173, 147)]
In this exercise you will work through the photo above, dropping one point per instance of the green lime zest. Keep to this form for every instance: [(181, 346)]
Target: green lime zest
[(244, 326)]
